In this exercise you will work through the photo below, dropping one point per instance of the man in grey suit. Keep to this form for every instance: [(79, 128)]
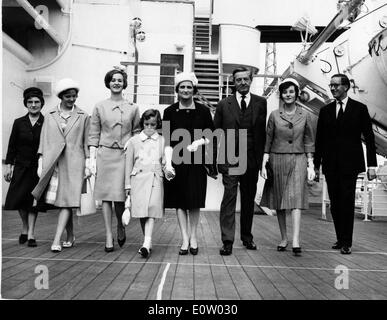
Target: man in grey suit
[(242, 112)]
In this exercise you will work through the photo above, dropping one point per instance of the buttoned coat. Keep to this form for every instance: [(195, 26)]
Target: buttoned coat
[(113, 123), (144, 160), (289, 135), (344, 153), (227, 117), (69, 150)]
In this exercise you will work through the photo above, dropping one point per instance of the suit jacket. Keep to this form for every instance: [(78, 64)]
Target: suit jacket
[(343, 153), (227, 117), (24, 142), (289, 135)]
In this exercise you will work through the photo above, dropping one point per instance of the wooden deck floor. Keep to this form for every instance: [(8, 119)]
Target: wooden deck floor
[(87, 272)]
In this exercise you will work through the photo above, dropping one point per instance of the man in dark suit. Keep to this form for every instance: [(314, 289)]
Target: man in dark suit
[(340, 127), (243, 114)]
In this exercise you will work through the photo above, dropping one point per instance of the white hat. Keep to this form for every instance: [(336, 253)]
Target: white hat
[(294, 81), (186, 76), (65, 84)]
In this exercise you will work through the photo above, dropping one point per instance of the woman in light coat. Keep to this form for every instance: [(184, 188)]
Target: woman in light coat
[(63, 152), (113, 122)]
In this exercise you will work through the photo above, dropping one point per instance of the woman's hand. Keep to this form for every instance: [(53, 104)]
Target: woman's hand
[(40, 167), (127, 201), (8, 173), (310, 170), (263, 167), (87, 168), (169, 172), (264, 172), (93, 160)]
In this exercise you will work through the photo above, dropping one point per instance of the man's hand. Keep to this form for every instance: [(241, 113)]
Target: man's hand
[(371, 174)]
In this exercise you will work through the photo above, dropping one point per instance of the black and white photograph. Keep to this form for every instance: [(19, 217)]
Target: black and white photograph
[(194, 155)]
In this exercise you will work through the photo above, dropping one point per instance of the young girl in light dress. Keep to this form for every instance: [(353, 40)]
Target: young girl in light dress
[(145, 166)]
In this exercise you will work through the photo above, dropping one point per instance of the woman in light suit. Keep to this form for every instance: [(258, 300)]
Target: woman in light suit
[(113, 122), (289, 152)]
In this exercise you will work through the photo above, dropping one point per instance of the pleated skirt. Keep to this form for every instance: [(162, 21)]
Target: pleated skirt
[(288, 188), (110, 180)]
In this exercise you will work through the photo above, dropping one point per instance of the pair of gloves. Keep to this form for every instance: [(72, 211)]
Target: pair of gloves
[(310, 168)]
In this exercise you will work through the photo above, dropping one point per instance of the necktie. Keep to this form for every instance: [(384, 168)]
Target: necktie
[(243, 103), (341, 112)]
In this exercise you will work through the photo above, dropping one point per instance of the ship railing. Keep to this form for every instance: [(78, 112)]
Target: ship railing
[(370, 197)]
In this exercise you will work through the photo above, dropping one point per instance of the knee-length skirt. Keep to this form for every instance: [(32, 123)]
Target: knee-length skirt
[(24, 180), (288, 189), (188, 189), (110, 180)]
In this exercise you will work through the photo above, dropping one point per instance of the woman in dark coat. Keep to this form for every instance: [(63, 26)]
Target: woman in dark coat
[(22, 163), (187, 191)]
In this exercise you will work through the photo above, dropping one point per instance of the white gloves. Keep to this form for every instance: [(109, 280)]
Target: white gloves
[(197, 143), (310, 169), (87, 168), (93, 161), (168, 169), (126, 214), (40, 166), (263, 168)]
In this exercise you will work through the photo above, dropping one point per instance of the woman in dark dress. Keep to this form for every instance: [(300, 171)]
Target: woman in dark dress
[(187, 191), (22, 163)]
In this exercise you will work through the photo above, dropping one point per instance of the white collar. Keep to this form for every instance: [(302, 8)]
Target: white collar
[(144, 137), (239, 96), (60, 111)]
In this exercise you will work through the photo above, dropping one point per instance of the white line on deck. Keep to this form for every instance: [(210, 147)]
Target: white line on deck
[(161, 285), (217, 247), (190, 264)]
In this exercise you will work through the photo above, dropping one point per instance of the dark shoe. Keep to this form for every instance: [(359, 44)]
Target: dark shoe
[(109, 249), (226, 250), (183, 252), (337, 246), (121, 242), (32, 243), (250, 245), (144, 252), (194, 251), (345, 250), (282, 248), (297, 251), (23, 238)]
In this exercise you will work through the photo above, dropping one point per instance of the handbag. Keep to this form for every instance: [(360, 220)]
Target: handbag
[(87, 205)]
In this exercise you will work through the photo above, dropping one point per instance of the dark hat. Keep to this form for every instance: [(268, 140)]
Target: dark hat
[(33, 92)]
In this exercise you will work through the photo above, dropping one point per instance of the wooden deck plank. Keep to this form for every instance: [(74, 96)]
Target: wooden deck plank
[(87, 272)]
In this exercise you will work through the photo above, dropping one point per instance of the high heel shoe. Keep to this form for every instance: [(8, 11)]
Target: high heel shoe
[(282, 248), (68, 244), (144, 252), (297, 251), (109, 249), (183, 252), (194, 251), (121, 241), (56, 248), (23, 238)]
